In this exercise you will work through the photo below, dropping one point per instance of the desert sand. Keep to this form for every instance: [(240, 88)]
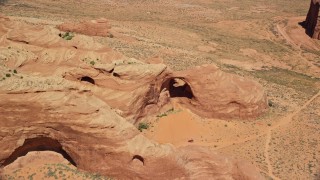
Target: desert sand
[(159, 89)]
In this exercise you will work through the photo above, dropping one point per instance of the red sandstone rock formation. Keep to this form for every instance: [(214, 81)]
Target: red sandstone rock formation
[(91, 136), (219, 94), (98, 27), (135, 89), (78, 98), (312, 23)]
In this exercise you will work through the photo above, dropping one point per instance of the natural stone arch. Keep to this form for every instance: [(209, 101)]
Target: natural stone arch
[(178, 87), (87, 79), (38, 144)]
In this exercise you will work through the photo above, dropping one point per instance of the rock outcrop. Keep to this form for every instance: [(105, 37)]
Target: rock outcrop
[(81, 99), (99, 27), (218, 94), (135, 89), (312, 23), (94, 138)]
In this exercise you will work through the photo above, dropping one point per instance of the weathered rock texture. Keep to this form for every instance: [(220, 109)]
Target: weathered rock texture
[(78, 98), (131, 87), (312, 23), (98, 27), (218, 94), (96, 139)]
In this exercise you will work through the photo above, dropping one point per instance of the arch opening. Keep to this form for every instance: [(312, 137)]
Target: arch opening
[(87, 79), (177, 87), (38, 144), (139, 158)]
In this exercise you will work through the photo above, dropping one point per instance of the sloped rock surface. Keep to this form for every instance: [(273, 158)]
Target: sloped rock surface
[(99, 140), (219, 94), (99, 27), (85, 98)]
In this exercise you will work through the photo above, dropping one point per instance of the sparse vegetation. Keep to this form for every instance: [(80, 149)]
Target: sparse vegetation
[(166, 113), (288, 89), (67, 35), (270, 103), (143, 126), (56, 171)]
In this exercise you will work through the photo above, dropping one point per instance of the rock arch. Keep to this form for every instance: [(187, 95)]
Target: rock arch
[(38, 144), (178, 87), (87, 79)]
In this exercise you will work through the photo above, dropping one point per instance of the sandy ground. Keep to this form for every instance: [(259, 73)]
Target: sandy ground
[(265, 142), (261, 40)]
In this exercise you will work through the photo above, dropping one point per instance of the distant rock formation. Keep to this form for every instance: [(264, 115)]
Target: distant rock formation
[(312, 23), (97, 27), (82, 99)]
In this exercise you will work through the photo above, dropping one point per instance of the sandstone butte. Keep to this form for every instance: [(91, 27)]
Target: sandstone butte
[(312, 22), (83, 100)]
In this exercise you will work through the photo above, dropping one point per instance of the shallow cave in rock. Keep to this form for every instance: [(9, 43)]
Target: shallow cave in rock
[(139, 158), (38, 144), (87, 79), (177, 87)]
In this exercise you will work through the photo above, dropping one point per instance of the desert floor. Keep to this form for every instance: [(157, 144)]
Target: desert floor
[(260, 39)]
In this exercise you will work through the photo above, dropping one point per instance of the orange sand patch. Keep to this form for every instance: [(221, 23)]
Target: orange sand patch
[(177, 128)]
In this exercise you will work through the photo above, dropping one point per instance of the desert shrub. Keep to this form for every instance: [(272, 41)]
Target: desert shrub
[(8, 75), (270, 103), (67, 35), (92, 63), (15, 71), (110, 35), (166, 113), (143, 126)]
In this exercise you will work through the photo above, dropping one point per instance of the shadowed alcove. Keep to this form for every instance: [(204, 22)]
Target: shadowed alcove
[(177, 87), (38, 144), (87, 79)]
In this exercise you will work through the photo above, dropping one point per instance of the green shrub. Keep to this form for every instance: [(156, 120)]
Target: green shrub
[(8, 75), (15, 71), (142, 126), (67, 35)]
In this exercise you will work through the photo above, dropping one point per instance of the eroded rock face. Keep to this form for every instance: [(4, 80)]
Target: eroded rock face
[(312, 23), (133, 88), (99, 27), (81, 98), (219, 94), (99, 140)]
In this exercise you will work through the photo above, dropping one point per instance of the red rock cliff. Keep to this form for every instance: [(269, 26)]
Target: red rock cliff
[(312, 23)]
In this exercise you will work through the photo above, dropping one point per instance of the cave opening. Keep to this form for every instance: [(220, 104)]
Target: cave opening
[(87, 79), (177, 87), (139, 158), (38, 144)]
